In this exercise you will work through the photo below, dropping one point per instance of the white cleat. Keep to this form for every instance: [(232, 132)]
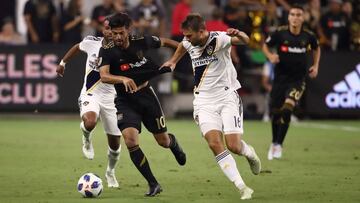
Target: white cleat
[(270, 155), (246, 193), (277, 152), (254, 162), (88, 149), (111, 179)]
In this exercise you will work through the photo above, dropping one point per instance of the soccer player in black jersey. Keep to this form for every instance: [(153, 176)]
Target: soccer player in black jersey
[(125, 66), (293, 44)]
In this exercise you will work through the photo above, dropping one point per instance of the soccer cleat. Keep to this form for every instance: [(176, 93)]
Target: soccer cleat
[(277, 152), (111, 179), (254, 162), (88, 149), (179, 154), (270, 152), (246, 193), (154, 190)]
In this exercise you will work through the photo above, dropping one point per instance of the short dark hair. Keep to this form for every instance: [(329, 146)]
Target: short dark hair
[(119, 20), (194, 22), (297, 6)]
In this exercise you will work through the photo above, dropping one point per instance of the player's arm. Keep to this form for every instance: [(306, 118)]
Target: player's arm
[(165, 42), (73, 51), (273, 58), (179, 53), (237, 37), (313, 71), (107, 77), (31, 29)]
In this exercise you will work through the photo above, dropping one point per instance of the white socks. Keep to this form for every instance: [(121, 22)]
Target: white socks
[(86, 133), (245, 150), (113, 157), (228, 166)]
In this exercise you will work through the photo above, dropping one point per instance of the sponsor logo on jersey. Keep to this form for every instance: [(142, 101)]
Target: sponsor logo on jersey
[(127, 66), (203, 60), (124, 67), (346, 93), (296, 50)]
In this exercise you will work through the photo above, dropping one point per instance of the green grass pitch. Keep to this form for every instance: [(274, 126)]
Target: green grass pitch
[(41, 161)]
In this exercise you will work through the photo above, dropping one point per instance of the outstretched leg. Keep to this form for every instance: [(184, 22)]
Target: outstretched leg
[(168, 140), (227, 162), (89, 120), (140, 161), (113, 158)]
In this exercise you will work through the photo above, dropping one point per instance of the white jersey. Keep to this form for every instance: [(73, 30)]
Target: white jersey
[(92, 82), (215, 75)]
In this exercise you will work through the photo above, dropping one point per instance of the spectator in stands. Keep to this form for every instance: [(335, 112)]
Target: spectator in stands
[(149, 18), (204, 8), (271, 21), (347, 8), (183, 75), (72, 22), (355, 27), (8, 35), (217, 24), (312, 15), (41, 21), (120, 6), (335, 28), (179, 13), (98, 15)]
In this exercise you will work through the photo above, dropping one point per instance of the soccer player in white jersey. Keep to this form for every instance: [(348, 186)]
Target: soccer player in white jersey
[(217, 105), (96, 100)]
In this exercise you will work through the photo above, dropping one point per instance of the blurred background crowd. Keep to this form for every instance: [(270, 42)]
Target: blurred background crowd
[(335, 22)]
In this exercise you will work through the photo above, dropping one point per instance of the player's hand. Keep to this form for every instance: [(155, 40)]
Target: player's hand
[(233, 32), (274, 58), (130, 85), (168, 64), (313, 72), (60, 70)]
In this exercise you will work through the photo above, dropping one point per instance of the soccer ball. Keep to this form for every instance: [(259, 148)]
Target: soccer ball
[(90, 185)]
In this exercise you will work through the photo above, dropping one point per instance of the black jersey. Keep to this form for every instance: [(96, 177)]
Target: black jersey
[(293, 53), (131, 62)]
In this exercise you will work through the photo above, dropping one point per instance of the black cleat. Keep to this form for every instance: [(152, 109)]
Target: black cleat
[(154, 190), (179, 154)]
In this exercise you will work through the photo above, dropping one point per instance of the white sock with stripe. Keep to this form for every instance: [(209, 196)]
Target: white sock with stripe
[(85, 132), (113, 157), (245, 150), (228, 166)]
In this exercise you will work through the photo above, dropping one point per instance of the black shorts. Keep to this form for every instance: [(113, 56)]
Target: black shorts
[(282, 91), (142, 106)]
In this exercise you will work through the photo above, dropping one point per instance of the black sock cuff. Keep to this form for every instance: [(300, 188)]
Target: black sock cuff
[(173, 141), (134, 148)]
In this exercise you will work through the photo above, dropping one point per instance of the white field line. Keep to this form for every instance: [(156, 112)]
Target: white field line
[(327, 126)]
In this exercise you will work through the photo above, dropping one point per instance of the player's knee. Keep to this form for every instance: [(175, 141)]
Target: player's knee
[(286, 111), (130, 141), (162, 139), (90, 124), (215, 144), (234, 147)]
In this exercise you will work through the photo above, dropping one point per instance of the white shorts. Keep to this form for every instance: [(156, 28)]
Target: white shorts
[(226, 115), (104, 107)]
